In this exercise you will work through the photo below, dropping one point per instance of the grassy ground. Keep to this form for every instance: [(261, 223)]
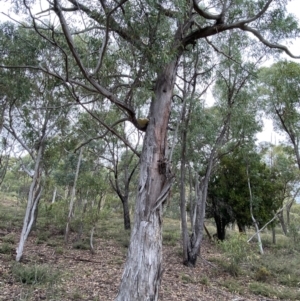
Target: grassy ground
[(53, 270)]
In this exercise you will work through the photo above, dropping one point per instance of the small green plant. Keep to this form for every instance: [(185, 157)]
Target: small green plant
[(233, 269), (204, 280), (262, 289), (81, 245), (6, 248), (294, 232), (237, 248), (290, 280), (42, 236), (262, 274), (238, 251), (233, 286), (187, 278), (33, 274), (170, 238), (10, 238), (77, 296), (59, 250)]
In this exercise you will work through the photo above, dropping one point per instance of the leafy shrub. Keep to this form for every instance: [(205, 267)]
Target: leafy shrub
[(204, 280), (294, 232), (262, 289), (10, 238), (81, 245), (238, 250), (187, 278), (170, 238), (33, 274), (59, 250), (262, 274), (6, 248), (234, 286)]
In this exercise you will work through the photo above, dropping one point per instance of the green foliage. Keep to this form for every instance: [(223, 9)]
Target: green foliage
[(185, 278), (262, 289), (170, 238), (262, 274), (6, 248), (53, 216), (268, 290), (294, 232), (81, 245), (34, 274), (238, 250), (229, 192), (171, 232), (9, 238), (280, 93), (234, 286), (204, 280), (42, 236)]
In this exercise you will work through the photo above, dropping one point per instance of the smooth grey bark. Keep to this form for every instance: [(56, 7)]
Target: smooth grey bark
[(260, 246), (288, 211), (73, 192), (184, 226), (282, 222), (54, 195), (34, 196), (193, 242)]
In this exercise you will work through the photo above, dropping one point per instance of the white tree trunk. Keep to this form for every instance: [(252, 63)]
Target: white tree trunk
[(34, 196), (260, 246), (71, 207), (54, 195)]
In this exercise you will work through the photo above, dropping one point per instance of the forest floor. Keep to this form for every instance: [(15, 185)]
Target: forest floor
[(53, 271)]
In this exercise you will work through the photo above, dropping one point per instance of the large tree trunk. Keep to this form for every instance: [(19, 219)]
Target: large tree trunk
[(143, 268)]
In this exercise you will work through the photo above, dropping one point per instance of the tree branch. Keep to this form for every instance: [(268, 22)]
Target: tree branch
[(267, 43), (204, 13), (101, 136)]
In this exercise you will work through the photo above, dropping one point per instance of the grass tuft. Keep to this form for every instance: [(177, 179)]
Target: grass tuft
[(34, 274)]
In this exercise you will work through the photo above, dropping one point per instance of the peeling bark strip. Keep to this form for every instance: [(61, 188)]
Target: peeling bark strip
[(142, 273)]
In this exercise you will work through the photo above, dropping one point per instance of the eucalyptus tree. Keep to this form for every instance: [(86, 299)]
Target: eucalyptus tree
[(280, 91), (137, 42), (32, 114), (229, 121)]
